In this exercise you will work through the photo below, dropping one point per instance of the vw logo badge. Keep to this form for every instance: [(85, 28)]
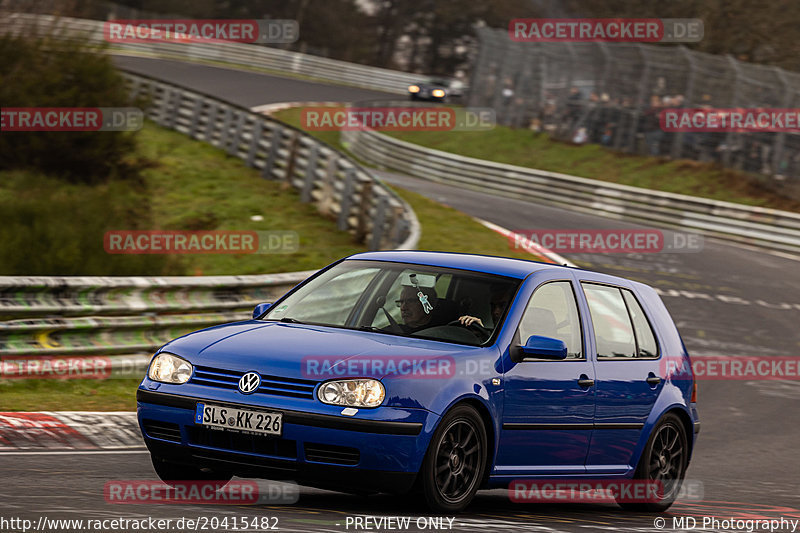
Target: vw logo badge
[(249, 383)]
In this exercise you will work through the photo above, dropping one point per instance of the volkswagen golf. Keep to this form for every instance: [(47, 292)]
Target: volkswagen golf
[(434, 374)]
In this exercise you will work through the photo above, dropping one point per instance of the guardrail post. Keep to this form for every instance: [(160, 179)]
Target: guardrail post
[(174, 108), (255, 139), (211, 122), (275, 139), (236, 139), (378, 223), (198, 108), (347, 198), (292, 158), (397, 233), (164, 108), (363, 211), (311, 173), (135, 86), (224, 133)]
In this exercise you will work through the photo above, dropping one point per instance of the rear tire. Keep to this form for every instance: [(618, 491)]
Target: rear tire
[(455, 461), (172, 473), (664, 460)]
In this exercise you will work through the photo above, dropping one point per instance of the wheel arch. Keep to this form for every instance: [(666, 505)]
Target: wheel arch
[(479, 404)]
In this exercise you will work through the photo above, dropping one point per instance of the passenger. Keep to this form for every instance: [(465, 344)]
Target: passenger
[(499, 298)]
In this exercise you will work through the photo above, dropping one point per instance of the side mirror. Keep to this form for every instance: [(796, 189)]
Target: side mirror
[(261, 309), (544, 348)]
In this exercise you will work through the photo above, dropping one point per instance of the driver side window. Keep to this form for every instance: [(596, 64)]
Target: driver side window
[(553, 312)]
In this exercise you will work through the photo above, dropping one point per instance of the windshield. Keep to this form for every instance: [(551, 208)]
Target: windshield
[(400, 299)]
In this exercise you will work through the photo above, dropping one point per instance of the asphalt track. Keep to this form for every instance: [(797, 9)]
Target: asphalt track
[(726, 299)]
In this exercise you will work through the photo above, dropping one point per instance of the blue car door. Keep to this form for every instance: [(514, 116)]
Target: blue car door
[(548, 409), (628, 378)]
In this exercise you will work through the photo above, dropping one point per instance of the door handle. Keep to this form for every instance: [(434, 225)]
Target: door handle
[(585, 382), (653, 380)]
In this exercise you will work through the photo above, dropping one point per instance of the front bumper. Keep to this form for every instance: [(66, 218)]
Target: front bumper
[(324, 450)]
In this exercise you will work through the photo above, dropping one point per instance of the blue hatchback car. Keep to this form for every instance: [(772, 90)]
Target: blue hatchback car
[(436, 374)]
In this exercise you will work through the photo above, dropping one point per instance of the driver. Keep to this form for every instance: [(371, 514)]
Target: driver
[(499, 297), (417, 311)]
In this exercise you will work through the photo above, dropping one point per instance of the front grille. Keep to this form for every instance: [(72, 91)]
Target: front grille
[(162, 430), (328, 453), (242, 442), (275, 385)]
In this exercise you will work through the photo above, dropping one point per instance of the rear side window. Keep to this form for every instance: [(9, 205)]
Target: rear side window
[(645, 339), (613, 330)]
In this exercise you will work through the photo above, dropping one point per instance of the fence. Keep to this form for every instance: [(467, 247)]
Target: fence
[(239, 54), (612, 93), (767, 228)]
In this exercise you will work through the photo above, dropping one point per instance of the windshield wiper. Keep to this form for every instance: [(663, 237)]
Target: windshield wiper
[(290, 320)]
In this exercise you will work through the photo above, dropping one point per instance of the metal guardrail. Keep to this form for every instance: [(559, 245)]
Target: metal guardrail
[(123, 315), (766, 228), (246, 55), (338, 186)]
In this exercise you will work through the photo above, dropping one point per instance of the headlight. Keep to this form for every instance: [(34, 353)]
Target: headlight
[(352, 392), (438, 93), (413, 89), (168, 368)]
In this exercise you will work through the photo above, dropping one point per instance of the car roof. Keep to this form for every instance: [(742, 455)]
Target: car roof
[(502, 266)]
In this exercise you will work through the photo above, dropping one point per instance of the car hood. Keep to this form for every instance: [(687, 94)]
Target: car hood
[(281, 349)]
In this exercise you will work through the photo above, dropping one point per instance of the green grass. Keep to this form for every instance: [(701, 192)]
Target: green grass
[(527, 149), (68, 394), (197, 186), (186, 185)]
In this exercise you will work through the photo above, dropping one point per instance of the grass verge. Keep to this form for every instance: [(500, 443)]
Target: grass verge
[(186, 185), (69, 394)]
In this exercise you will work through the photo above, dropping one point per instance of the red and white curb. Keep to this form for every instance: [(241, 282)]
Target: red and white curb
[(69, 430), (527, 244)]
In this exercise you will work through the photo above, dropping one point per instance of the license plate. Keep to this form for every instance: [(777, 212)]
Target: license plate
[(244, 420)]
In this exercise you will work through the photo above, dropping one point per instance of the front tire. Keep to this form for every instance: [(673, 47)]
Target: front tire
[(172, 473), (455, 461), (663, 461)]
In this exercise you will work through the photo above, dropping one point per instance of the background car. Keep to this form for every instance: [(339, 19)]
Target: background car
[(366, 378), (434, 91)]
